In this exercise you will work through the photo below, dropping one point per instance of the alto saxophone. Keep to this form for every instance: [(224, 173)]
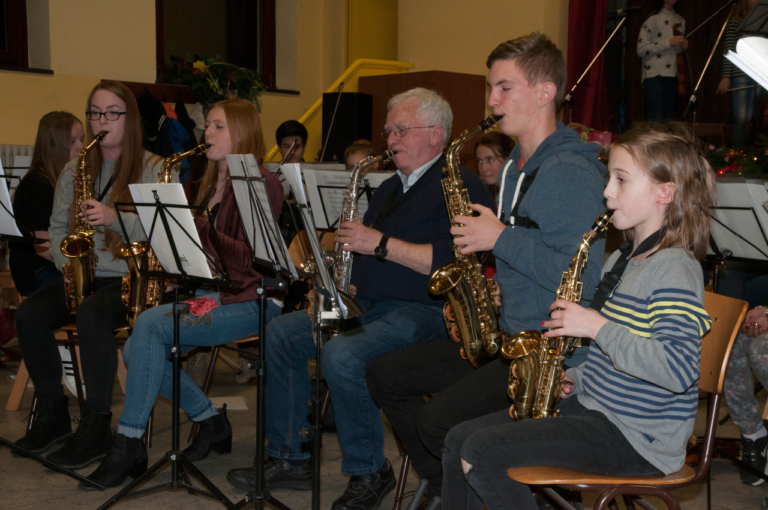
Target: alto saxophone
[(535, 376), (139, 291), (342, 259), (79, 244), (470, 313)]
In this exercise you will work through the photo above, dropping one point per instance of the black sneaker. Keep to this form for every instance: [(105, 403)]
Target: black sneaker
[(753, 454), (279, 474), (51, 426), (366, 492), (91, 442)]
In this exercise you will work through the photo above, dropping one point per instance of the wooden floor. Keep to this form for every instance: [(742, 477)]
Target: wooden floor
[(27, 485)]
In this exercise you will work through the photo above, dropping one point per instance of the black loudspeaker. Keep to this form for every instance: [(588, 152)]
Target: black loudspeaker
[(352, 122)]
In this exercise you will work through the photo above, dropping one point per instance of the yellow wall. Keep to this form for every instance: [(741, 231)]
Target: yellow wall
[(372, 30), (456, 35)]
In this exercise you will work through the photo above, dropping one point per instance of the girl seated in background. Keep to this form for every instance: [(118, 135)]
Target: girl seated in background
[(59, 140), (630, 409), (491, 152)]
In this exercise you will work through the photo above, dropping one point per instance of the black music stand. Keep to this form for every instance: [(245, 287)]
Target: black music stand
[(174, 457), (30, 237)]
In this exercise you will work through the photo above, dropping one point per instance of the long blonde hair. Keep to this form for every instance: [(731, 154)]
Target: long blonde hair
[(54, 133), (671, 154), (247, 137), (129, 167)]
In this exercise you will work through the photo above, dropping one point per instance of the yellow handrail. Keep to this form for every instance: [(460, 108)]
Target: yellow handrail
[(312, 118)]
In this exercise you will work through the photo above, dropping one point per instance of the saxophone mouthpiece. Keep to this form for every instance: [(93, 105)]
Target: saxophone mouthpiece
[(387, 155), (101, 135), (200, 149), (208, 145), (489, 122)]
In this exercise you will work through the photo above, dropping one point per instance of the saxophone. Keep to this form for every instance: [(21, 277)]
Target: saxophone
[(342, 260), (535, 376), (79, 244), (139, 291), (470, 313)]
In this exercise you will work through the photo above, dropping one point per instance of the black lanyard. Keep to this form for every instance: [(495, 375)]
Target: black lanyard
[(612, 279), (391, 205), (106, 188)]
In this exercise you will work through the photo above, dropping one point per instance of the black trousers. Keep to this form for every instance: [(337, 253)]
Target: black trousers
[(97, 317), (578, 439), (398, 382)]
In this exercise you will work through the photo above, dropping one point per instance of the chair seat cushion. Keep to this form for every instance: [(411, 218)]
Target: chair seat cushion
[(549, 475)]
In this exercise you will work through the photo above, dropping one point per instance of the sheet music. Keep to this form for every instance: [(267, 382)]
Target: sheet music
[(193, 260), (325, 189), (255, 224), (7, 222), (274, 168), (749, 195)]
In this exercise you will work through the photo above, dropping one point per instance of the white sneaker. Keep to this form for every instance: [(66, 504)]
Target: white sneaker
[(68, 372)]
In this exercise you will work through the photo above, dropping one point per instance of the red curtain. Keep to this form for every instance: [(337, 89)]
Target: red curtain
[(586, 35)]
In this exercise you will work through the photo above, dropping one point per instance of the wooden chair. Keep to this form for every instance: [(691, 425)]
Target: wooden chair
[(727, 315)]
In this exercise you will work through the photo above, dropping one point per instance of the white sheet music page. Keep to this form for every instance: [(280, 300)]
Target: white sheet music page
[(193, 260), (325, 190), (744, 196), (8, 225)]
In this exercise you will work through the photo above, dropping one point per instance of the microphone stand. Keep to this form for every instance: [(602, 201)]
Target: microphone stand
[(333, 118), (726, 4), (569, 97), (692, 101)]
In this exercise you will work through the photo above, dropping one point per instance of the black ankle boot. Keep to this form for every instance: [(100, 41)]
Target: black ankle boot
[(90, 443), (215, 434), (52, 425), (127, 457)]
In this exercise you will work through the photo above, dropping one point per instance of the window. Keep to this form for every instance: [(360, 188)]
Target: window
[(13, 33), (241, 32)]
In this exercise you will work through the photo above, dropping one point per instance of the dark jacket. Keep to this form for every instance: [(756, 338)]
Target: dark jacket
[(229, 239)]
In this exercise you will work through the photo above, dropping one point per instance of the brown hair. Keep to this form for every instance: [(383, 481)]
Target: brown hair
[(741, 11), (129, 167), (499, 143), (54, 133), (245, 132), (363, 146), (537, 57), (670, 153)]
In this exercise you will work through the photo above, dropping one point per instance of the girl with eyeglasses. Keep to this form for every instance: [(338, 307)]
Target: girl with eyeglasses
[(117, 161)]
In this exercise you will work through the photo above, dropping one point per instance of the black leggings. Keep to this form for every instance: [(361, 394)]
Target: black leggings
[(97, 317)]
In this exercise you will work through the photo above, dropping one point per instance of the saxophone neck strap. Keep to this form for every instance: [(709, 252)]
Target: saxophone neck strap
[(106, 189), (393, 202), (514, 219), (610, 282)]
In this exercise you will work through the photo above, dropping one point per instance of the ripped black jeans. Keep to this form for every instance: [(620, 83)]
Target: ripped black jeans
[(578, 439)]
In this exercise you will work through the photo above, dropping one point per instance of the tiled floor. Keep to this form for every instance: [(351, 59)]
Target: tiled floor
[(25, 484)]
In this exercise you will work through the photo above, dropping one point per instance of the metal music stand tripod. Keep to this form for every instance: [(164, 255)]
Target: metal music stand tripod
[(174, 457)]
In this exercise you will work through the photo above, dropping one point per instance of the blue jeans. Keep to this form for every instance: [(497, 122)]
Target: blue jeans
[(660, 96), (387, 326), (147, 351), (743, 101)]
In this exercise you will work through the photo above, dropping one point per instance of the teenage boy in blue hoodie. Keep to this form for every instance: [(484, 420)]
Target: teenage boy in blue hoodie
[(551, 193)]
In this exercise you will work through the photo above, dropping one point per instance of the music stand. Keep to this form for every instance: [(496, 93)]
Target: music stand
[(269, 250), (334, 305), (174, 457)]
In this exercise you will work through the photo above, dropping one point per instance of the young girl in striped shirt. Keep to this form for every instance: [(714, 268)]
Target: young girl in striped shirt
[(630, 409)]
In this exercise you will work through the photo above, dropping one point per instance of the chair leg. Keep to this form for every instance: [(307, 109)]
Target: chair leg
[(122, 371), (400, 488), (75, 354), (629, 502), (19, 385), (206, 387), (147, 436)]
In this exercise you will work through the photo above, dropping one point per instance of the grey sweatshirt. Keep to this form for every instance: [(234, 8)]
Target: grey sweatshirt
[(643, 365), (107, 265)]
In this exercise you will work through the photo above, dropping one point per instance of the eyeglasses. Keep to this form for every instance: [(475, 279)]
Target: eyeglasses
[(401, 131), (108, 115)]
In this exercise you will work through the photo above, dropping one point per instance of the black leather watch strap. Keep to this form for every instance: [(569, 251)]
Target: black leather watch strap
[(381, 250)]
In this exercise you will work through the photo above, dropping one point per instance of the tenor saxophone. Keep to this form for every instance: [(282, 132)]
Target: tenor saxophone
[(470, 314), (342, 259), (79, 244), (139, 291), (535, 376)]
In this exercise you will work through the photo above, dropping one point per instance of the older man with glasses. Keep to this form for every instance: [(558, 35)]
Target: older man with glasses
[(403, 238)]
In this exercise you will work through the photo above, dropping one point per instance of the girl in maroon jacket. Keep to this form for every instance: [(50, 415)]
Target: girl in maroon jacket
[(215, 316)]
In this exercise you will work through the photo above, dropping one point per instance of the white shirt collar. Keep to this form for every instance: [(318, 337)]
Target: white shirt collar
[(416, 174)]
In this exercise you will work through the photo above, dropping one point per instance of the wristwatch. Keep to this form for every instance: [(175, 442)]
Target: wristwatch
[(381, 250)]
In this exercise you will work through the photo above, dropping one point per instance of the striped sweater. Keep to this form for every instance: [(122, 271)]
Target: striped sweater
[(730, 70), (643, 366)]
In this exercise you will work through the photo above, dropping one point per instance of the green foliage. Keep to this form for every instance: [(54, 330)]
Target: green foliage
[(211, 80), (752, 161)]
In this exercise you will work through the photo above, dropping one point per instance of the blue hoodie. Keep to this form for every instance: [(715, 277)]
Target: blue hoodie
[(564, 200)]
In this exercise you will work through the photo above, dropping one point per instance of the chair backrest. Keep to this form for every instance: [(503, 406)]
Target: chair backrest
[(727, 314), (301, 243)]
